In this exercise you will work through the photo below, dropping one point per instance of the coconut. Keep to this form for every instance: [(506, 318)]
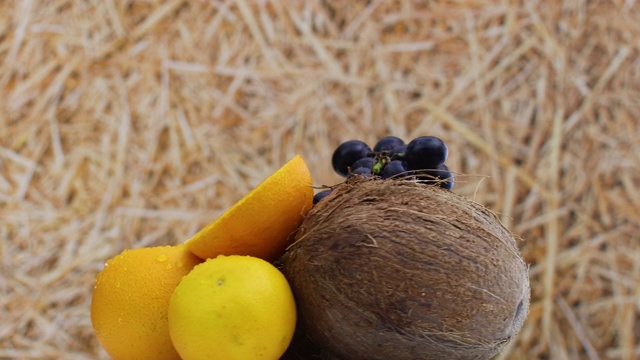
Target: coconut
[(390, 269)]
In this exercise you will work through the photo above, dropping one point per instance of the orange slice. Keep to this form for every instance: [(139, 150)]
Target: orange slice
[(260, 224)]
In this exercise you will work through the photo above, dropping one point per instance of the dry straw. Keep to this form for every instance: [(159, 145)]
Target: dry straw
[(127, 124)]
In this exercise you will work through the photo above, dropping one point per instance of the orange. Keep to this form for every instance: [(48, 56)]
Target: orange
[(260, 224), (233, 308), (131, 299)]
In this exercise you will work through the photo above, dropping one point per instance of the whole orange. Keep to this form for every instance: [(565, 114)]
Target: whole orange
[(131, 299), (232, 308)]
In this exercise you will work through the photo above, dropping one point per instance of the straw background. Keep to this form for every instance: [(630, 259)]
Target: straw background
[(134, 123)]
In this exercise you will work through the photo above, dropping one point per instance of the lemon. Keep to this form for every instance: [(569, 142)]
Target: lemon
[(232, 307)]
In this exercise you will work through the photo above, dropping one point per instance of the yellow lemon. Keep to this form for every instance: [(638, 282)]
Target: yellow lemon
[(232, 307), (131, 299)]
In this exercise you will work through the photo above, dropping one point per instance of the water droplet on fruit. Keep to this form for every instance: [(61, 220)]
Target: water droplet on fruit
[(162, 258), (169, 266)]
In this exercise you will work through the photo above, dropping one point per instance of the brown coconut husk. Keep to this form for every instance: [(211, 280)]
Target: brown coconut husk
[(390, 269)]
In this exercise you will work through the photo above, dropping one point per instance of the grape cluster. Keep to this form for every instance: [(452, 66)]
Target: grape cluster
[(422, 159)]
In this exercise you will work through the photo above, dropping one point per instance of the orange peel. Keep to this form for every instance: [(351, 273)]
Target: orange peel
[(262, 222)]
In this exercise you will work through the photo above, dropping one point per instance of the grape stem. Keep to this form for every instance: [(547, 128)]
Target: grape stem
[(381, 162)]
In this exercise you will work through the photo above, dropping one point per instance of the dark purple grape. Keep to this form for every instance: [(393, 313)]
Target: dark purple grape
[(347, 153), (321, 195), (365, 162), (363, 171), (440, 176), (394, 169), (426, 152), (398, 152), (387, 143)]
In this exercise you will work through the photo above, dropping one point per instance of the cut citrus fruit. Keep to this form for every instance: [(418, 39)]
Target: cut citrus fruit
[(130, 301), (260, 224), (232, 307)]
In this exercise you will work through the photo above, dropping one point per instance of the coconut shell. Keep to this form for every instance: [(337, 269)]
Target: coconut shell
[(388, 269)]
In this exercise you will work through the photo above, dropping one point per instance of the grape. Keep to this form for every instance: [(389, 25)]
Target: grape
[(394, 169), (426, 152), (441, 176), (398, 152), (422, 159), (321, 195), (347, 153), (387, 143), (365, 172), (365, 162)]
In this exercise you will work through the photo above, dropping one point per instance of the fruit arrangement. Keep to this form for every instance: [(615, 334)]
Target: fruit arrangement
[(216, 296), (388, 264)]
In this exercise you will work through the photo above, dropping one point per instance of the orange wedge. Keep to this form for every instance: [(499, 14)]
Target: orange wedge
[(261, 223)]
